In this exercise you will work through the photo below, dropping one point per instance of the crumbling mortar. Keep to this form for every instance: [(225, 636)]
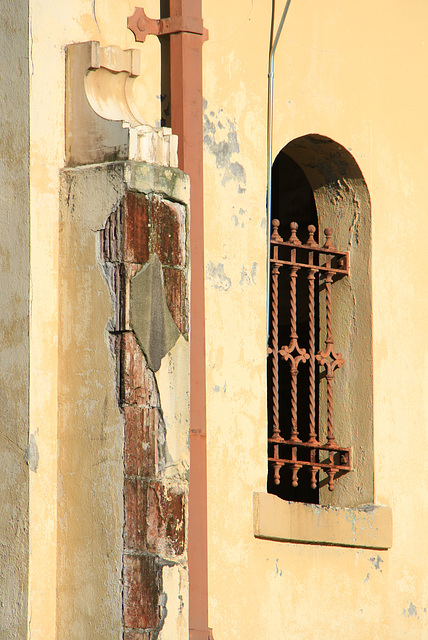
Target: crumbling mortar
[(117, 327)]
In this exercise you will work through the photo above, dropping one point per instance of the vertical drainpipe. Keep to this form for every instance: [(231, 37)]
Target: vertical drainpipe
[(187, 36), (186, 122)]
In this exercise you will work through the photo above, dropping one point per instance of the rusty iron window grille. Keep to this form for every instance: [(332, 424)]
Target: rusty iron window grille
[(292, 445)]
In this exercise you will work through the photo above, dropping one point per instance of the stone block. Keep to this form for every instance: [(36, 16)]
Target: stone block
[(153, 178), (367, 526)]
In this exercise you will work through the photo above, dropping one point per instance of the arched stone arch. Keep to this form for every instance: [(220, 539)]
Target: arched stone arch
[(342, 203)]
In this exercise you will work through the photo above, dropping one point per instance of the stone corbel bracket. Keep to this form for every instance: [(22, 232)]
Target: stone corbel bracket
[(102, 121)]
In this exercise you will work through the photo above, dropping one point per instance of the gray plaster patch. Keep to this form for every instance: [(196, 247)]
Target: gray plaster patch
[(217, 388), (238, 219), (248, 277), (151, 319), (221, 139), (411, 611), (31, 456), (216, 276), (376, 562)]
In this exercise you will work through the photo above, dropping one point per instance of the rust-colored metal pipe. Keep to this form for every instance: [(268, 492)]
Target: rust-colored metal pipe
[(187, 36), (186, 121)]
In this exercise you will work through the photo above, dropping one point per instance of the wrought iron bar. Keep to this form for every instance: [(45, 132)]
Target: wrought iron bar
[(312, 362), (286, 352), (328, 357), (275, 338)]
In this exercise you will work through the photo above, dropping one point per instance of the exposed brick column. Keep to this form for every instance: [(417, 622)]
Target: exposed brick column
[(155, 501)]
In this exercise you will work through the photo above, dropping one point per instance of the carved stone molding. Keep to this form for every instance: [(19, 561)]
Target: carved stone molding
[(102, 120)]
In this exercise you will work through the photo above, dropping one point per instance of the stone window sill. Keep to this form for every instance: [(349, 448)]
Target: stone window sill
[(368, 526)]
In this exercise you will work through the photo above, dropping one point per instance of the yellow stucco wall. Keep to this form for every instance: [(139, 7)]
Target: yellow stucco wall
[(352, 72), (52, 27), (15, 453)]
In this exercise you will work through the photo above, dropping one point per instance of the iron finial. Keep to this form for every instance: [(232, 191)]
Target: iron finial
[(310, 241), (293, 239), (328, 242), (275, 235)]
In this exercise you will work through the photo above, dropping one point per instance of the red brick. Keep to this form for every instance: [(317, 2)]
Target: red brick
[(175, 520), (140, 447), (154, 518), (135, 514), (136, 635), (136, 230), (137, 381), (109, 238), (168, 231), (175, 292), (165, 520), (141, 590)]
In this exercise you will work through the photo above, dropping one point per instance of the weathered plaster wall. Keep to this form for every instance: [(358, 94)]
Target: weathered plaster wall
[(16, 459), (144, 250), (52, 27), (90, 427), (123, 455), (338, 73), (350, 72)]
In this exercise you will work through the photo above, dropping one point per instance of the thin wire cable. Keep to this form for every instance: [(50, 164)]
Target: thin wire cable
[(272, 48)]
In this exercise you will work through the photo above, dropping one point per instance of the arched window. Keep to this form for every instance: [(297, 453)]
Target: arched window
[(321, 293)]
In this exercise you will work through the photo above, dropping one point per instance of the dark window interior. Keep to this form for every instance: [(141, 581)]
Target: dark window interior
[(292, 201)]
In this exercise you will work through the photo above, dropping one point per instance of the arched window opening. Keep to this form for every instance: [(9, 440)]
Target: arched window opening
[(316, 184)]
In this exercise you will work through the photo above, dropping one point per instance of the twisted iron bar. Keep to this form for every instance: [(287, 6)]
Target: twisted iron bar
[(312, 361), (323, 357), (275, 347)]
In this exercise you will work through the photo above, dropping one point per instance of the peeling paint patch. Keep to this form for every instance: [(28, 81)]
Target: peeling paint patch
[(31, 456), (376, 562), (221, 139), (216, 276), (238, 219), (366, 579), (411, 611), (248, 277), (217, 388)]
